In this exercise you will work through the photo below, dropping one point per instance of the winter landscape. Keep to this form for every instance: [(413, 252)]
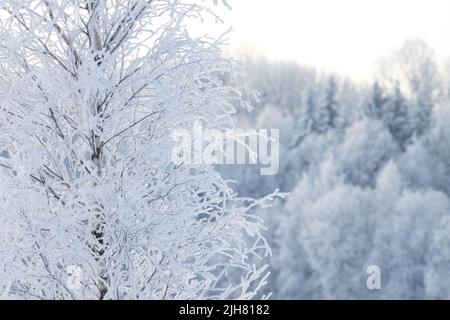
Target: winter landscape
[(146, 154)]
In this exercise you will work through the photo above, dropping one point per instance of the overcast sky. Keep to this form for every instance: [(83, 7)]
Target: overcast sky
[(346, 36)]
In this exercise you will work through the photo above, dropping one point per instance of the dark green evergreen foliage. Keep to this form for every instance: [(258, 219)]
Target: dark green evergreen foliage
[(327, 116), (376, 104), (397, 118)]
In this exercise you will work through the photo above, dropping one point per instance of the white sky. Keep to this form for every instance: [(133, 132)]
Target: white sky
[(345, 36)]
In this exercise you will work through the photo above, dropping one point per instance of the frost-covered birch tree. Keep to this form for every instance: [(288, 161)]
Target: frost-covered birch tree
[(90, 91)]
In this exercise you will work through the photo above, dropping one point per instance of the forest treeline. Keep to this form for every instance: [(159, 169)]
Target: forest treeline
[(368, 171)]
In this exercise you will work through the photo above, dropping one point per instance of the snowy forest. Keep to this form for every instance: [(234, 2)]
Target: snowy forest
[(368, 173), (93, 207)]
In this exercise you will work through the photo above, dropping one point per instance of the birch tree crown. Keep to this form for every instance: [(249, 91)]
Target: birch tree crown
[(90, 91)]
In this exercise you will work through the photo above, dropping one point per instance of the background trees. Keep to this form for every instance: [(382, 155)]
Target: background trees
[(368, 174), (412, 70)]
